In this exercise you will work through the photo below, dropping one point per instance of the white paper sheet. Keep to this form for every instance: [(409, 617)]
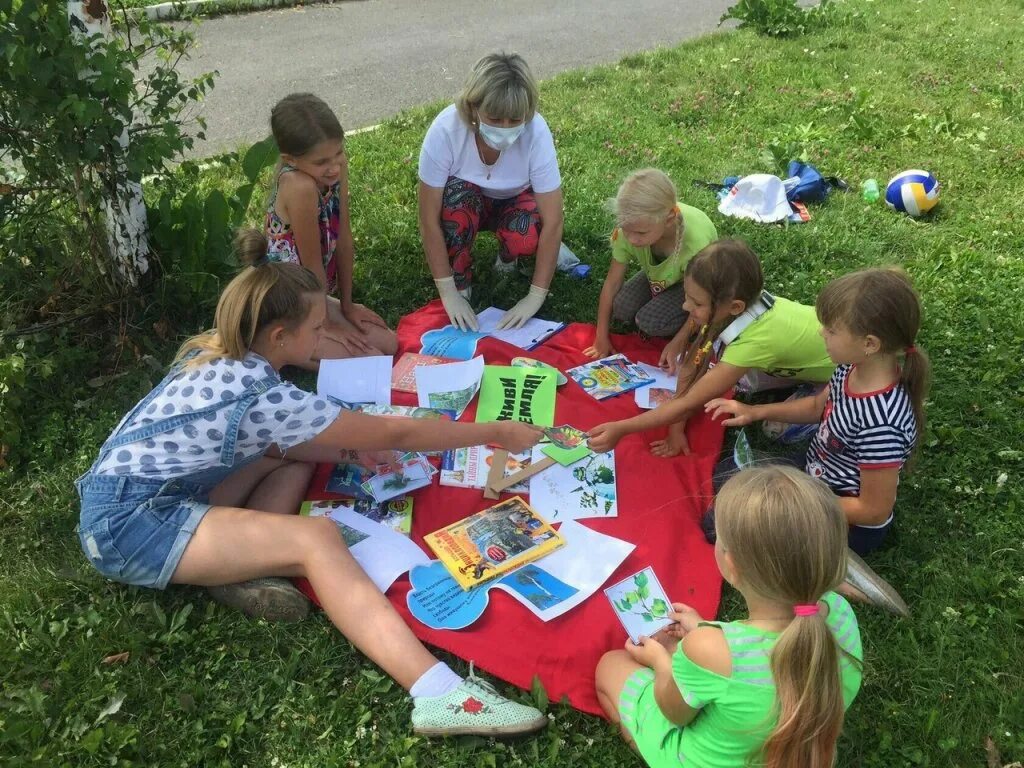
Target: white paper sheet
[(449, 386), (533, 332), (383, 553), (584, 563), (583, 489), (357, 379), (662, 380)]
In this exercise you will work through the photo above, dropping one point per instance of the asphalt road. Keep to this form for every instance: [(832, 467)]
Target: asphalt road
[(369, 59)]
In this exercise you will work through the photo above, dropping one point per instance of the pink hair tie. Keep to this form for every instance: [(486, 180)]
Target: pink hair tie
[(910, 350), (812, 609)]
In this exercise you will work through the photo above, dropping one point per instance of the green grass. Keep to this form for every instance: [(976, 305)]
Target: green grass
[(943, 80)]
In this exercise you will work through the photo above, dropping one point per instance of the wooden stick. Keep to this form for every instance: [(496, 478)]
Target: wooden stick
[(524, 474), (498, 461)]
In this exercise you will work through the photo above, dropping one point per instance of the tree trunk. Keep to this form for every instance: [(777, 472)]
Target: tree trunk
[(124, 210)]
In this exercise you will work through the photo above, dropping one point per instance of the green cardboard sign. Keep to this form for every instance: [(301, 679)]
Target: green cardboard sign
[(517, 394)]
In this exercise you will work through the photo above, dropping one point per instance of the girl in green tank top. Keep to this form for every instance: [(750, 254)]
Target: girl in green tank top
[(736, 328), (772, 689)]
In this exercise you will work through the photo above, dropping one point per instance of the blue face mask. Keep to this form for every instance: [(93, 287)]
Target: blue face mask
[(499, 138)]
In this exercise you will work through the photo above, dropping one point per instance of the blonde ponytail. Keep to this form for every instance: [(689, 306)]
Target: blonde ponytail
[(787, 535), (263, 293)]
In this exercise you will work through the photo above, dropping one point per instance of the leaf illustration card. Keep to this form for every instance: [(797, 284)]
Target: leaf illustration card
[(386, 485), (641, 604)]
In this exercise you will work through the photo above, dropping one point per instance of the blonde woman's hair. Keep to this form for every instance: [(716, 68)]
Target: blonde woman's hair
[(262, 294), (882, 302), (647, 194), (502, 85), (786, 535)]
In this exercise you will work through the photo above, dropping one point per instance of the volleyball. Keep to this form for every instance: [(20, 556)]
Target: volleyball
[(912, 192)]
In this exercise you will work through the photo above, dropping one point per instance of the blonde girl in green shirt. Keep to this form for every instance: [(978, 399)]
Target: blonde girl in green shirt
[(772, 689), (660, 235), (742, 329)]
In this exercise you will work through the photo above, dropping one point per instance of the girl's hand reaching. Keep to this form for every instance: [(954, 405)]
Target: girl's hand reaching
[(669, 360), (604, 437), (739, 414), (673, 443), (602, 347), (516, 436)]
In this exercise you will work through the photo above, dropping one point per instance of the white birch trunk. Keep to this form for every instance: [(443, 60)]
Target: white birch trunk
[(124, 210)]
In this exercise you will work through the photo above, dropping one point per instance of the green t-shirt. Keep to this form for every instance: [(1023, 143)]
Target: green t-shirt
[(698, 231), (735, 717), (783, 342)]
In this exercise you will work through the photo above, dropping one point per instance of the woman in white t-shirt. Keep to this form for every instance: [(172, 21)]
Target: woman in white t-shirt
[(185, 489), (488, 162)]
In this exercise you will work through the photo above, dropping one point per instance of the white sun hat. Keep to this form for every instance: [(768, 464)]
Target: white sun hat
[(758, 197)]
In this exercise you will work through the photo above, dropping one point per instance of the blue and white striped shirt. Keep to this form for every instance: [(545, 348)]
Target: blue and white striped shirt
[(858, 431)]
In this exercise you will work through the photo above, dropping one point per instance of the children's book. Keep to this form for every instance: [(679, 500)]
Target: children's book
[(395, 514), (609, 376), (409, 411), (494, 541), (348, 479), (403, 375), (641, 604), (468, 468)]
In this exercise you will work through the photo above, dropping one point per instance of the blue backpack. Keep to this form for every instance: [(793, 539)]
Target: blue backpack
[(811, 186)]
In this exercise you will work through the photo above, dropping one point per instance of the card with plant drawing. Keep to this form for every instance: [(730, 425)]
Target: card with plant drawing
[(641, 604)]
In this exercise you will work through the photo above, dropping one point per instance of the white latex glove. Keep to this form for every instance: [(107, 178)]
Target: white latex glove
[(459, 312), (527, 307)]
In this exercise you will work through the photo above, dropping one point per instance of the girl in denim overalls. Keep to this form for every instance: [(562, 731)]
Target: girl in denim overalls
[(198, 483)]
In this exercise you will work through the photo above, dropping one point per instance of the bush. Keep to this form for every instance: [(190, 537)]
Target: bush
[(780, 18)]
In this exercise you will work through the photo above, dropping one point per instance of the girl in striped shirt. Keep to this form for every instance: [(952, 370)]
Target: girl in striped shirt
[(872, 411), (769, 690)]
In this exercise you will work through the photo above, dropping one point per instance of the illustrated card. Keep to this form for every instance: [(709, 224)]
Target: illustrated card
[(641, 604)]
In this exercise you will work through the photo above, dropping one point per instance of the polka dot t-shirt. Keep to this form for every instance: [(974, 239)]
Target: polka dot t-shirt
[(284, 416)]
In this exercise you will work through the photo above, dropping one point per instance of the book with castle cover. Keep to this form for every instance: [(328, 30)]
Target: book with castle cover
[(609, 376), (492, 542)]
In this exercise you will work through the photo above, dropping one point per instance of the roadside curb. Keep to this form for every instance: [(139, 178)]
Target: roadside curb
[(189, 9)]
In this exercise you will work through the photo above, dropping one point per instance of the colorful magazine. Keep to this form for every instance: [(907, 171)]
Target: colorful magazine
[(609, 376), (492, 542), (395, 514), (468, 468), (403, 375)]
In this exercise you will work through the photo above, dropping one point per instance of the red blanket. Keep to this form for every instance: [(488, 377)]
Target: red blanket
[(660, 504)]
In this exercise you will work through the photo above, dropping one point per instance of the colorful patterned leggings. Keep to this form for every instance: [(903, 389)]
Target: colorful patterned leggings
[(465, 210)]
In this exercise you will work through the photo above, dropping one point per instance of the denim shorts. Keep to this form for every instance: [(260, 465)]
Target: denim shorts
[(135, 530)]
